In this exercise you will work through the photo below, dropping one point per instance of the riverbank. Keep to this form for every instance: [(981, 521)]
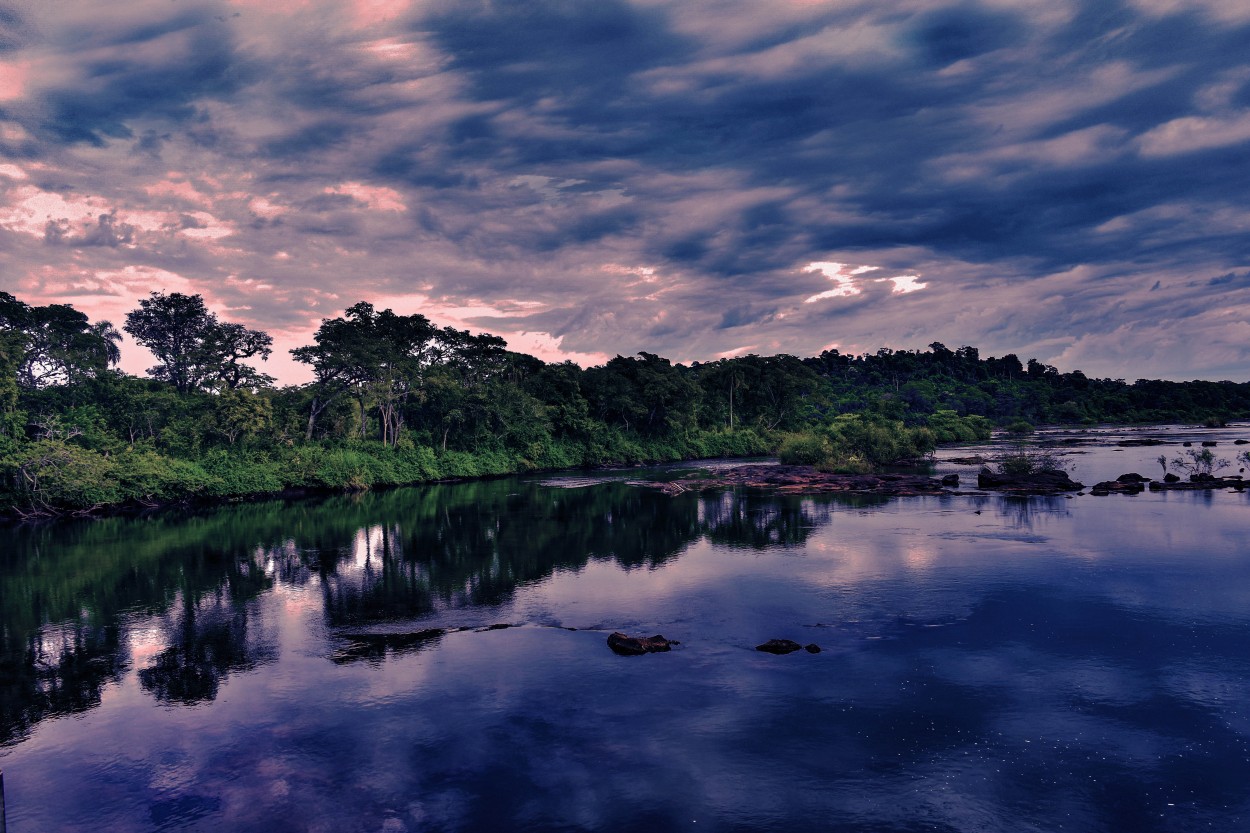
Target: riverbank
[(55, 478)]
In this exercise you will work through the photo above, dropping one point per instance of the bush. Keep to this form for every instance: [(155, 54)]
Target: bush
[(1196, 461), (805, 449), (878, 441), (950, 427), (1020, 427), (1022, 460)]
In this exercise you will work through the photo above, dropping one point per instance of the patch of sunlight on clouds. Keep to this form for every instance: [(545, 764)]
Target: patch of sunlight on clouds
[(843, 277), (848, 282), (737, 351), (265, 209), (33, 209), (905, 283), (373, 197), (14, 78), (1193, 133), (647, 273)]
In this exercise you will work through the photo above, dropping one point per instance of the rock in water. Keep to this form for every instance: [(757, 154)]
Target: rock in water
[(1045, 482), (779, 646), (631, 646), (812, 648)]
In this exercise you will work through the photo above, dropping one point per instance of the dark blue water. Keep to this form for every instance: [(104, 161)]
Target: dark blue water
[(987, 663)]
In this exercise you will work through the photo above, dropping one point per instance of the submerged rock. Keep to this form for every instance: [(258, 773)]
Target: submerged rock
[(631, 646), (950, 480), (780, 646), (812, 648)]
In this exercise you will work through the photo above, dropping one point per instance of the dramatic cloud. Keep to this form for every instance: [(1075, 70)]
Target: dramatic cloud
[(1062, 179)]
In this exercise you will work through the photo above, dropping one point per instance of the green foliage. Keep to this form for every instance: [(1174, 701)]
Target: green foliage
[(397, 400), (857, 444), (1022, 459), (1196, 461), (1020, 427), (876, 441), (194, 350), (949, 427), (805, 449)]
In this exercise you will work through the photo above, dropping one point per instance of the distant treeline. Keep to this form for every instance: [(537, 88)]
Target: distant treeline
[(397, 399)]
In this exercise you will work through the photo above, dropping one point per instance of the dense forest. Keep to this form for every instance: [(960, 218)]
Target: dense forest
[(396, 399)]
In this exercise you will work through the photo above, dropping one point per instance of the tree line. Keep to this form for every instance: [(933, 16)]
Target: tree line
[(398, 399)]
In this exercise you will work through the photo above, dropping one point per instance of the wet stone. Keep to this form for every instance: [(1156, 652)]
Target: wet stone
[(779, 646)]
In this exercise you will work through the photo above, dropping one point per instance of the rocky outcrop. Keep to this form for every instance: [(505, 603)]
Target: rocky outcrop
[(779, 646), (1045, 482), (802, 480), (1199, 482), (631, 646)]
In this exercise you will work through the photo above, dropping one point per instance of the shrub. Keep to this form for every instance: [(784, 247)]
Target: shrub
[(1022, 460), (1195, 461), (949, 427), (1020, 427), (805, 449)]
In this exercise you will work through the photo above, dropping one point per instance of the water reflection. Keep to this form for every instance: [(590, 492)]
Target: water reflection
[(988, 663), (54, 670), (387, 558)]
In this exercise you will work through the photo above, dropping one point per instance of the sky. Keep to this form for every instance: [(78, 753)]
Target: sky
[(1067, 180)]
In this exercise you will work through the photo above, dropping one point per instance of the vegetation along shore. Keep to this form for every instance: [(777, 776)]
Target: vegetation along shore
[(398, 400)]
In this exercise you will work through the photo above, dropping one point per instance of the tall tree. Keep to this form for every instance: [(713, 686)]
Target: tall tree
[(60, 345), (195, 350)]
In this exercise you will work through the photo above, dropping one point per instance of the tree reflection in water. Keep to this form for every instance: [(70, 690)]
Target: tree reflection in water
[(73, 595), (55, 670)]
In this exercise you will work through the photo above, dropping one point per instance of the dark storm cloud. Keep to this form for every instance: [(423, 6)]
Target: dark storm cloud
[(1050, 178), (114, 88)]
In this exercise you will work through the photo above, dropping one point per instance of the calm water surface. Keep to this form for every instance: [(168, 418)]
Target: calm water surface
[(988, 663)]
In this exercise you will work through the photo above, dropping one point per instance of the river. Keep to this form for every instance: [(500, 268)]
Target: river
[(987, 663)]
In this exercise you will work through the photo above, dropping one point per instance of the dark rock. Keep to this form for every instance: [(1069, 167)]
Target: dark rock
[(950, 480), (497, 627), (1209, 443), (1134, 443), (1201, 481), (1121, 486), (631, 646), (967, 461), (1047, 482), (1187, 444), (802, 480), (1171, 478), (779, 646), (812, 648), (1240, 442), (1132, 477)]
